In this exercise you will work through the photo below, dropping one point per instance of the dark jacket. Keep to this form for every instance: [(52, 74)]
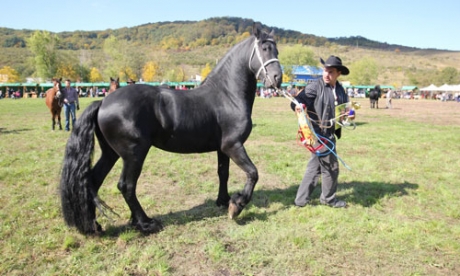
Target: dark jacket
[(319, 101)]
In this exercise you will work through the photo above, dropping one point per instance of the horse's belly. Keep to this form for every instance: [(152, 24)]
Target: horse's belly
[(186, 143)]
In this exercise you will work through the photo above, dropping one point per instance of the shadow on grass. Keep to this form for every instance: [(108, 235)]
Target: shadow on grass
[(365, 194), (13, 131)]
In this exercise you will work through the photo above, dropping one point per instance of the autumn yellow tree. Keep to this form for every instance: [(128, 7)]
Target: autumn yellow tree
[(127, 73), (95, 75), (205, 71), (8, 74), (287, 78), (150, 70), (67, 71)]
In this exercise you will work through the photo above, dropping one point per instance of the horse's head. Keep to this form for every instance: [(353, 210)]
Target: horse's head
[(57, 88), (264, 61), (114, 84)]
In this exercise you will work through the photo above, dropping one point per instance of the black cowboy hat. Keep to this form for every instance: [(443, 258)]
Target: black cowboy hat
[(335, 62)]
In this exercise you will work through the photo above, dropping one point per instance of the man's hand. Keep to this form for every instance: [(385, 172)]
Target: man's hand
[(299, 107)]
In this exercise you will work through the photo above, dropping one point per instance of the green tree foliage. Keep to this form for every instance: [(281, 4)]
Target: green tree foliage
[(123, 59), (113, 50), (449, 75), (175, 75), (296, 55), (363, 72), (44, 47)]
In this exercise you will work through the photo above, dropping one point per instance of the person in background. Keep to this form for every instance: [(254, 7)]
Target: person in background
[(389, 96), (320, 98), (131, 81), (70, 100)]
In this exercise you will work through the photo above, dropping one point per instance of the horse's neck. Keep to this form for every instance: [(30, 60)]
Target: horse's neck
[(235, 66)]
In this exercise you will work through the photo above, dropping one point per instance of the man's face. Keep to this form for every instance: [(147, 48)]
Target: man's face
[(330, 75), (67, 83)]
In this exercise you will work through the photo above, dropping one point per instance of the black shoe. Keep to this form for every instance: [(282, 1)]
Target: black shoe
[(307, 203), (336, 203)]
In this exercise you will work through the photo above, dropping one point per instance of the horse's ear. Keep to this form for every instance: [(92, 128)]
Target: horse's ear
[(118, 79), (60, 79), (272, 33), (255, 30), (111, 79)]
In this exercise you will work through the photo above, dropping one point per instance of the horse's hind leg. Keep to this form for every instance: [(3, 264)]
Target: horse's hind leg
[(223, 197), (103, 166), (132, 167)]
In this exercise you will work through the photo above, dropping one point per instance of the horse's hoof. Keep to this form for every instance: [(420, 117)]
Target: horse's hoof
[(149, 227), (233, 211), (236, 205)]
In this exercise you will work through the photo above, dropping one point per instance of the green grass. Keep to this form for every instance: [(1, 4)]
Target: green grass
[(403, 194)]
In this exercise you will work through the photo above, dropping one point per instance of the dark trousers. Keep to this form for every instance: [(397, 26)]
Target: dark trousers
[(69, 111), (326, 167)]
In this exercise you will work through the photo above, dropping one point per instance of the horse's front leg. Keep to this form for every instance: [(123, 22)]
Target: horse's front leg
[(223, 164), (239, 200), (59, 121)]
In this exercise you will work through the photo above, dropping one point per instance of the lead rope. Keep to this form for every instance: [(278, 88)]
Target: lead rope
[(318, 137)]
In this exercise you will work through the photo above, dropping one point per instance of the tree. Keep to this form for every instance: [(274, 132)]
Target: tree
[(364, 72), (296, 55), (127, 73), (449, 75), (115, 51), (95, 75), (8, 74), (150, 71), (205, 71), (44, 47)]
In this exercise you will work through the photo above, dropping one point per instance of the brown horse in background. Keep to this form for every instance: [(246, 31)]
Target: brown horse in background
[(53, 101), (114, 85)]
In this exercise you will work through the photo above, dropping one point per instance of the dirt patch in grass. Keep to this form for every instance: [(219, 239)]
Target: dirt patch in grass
[(421, 111)]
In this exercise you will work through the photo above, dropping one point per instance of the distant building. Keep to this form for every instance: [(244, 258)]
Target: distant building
[(306, 73)]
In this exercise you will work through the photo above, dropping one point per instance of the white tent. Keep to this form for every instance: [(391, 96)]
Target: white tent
[(447, 88), (431, 87)]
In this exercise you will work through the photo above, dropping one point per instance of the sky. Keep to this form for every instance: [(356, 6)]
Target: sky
[(421, 24)]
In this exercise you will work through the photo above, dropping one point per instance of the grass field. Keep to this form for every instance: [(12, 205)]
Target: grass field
[(403, 194)]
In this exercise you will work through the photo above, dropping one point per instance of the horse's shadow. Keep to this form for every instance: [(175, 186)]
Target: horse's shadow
[(13, 131), (365, 194)]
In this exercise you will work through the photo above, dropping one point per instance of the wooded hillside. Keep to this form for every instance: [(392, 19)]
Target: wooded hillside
[(190, 45)]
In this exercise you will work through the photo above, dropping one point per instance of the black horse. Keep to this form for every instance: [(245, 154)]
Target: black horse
[(216, 116), (374, 96)]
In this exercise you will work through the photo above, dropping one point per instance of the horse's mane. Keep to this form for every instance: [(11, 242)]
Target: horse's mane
[(226, 62)]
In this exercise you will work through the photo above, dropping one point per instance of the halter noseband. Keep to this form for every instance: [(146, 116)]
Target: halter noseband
[(263, 64)]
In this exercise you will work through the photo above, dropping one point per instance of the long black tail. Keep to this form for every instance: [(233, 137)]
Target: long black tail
[(76, 187)]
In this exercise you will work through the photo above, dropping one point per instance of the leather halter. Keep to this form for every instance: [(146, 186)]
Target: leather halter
[(256, 51)]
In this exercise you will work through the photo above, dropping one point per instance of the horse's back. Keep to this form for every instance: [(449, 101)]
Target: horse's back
[(168, 119)]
